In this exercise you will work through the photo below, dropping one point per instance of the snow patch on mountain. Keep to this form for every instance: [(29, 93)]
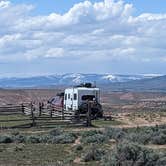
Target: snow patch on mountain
[(78, 79), (152, 75), (109, 77)]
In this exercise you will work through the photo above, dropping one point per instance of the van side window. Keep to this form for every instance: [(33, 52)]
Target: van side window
[(69, 96), (65, 96), (75, 96), (88, 97)]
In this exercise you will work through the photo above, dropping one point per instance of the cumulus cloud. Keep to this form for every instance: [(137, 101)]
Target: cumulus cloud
[(105, 30), (55, 52), (4, 4)]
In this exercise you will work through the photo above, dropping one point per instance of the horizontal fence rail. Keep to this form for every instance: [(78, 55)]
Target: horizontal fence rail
[(30, 115)]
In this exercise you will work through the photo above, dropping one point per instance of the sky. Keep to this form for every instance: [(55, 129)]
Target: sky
[(96, 36)]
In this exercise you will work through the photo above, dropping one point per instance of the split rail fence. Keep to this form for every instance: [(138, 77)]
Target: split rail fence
[(31, 115)]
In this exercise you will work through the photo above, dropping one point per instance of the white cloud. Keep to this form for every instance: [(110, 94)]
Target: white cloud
[(150, 17), (55, 53), (4, 4), (103, 30)]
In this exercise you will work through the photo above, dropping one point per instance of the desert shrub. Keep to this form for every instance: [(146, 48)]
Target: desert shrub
[(63, 139), (55, 132), (93, 136), (132, 137), (19, 138), (58, 138), (163, 131), (46, 139), (115, 133), (162, 126), (142, 138), (73, 134), (6, 139), (142, 130), (96, 138), (93, 154), (161, 161), (159, 139), (130, 154), (90, 133), (32, 139), (78, 147), (147, 135)]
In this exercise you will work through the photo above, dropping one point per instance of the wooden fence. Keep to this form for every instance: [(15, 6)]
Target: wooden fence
[(30, 115)]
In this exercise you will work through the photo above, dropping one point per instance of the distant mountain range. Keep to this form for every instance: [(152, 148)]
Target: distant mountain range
[(156, 84), (116, 82)]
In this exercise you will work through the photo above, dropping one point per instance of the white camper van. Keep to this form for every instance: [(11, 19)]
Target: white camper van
[(76, 99), (76, 96)]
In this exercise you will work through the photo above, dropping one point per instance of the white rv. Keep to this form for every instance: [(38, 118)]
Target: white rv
[(76, 96), (76, 99)]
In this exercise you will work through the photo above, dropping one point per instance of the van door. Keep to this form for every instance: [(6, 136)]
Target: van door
[(75, 101)]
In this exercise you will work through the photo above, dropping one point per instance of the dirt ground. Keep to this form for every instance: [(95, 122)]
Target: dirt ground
[(131, 109), (128, 110), (141, 119)]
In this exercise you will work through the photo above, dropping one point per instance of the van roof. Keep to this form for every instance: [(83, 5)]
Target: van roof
[(83, 88)]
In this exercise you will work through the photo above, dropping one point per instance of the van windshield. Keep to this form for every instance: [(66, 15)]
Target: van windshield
[(88, 97)]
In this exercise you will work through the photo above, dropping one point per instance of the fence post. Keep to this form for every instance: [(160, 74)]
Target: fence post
[(22, 108), (32, 115), (78, 115), (89, 115), (63, 114), (51, 112), (40, 108)]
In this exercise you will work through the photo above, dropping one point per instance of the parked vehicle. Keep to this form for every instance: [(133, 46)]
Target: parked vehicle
[(76, 99)]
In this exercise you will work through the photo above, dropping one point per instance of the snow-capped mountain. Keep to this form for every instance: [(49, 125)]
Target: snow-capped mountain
[(69, 79)]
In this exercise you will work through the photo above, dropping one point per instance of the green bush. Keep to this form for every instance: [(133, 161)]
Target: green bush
[(63, 139), (93, 154), (161, 161), (91, 133), (32, 139), (159, 139), (115, 133), (142, 138), (55, 132), (163, 131), (145, 135), (6, 139), (78, 147), (93, 136), (46, 139), (96, 138), (19, 138), (130, 154), (55, 136)]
